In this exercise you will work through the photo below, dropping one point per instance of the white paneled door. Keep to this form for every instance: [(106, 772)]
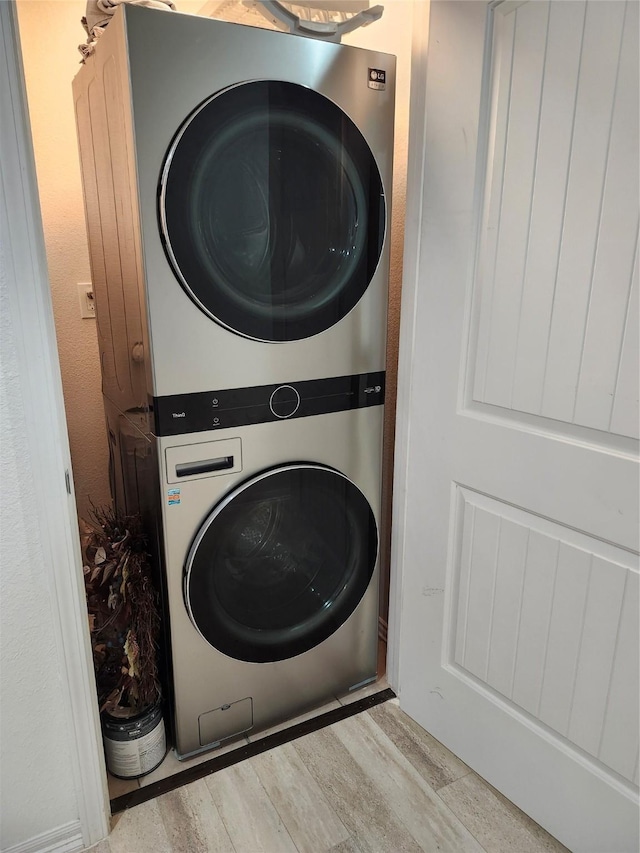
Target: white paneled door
[(517, 497)]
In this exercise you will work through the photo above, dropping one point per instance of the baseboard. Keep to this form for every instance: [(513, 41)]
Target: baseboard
[(62, 839), (382, 629)]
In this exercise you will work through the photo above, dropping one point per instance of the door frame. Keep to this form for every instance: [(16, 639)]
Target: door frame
[(37, 356), (412, 273)]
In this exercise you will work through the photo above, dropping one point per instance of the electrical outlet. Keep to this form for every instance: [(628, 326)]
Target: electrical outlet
[(87, 302)]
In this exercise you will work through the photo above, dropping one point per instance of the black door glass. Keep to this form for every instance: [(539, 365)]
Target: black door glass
[(272, 210), (282, 564)]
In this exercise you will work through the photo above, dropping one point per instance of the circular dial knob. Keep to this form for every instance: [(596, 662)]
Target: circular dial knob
[(284, 401)]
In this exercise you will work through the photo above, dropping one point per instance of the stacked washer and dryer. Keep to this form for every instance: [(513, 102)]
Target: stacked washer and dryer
[(237, 193)]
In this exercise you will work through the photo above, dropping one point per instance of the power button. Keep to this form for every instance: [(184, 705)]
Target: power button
[(284, 402)]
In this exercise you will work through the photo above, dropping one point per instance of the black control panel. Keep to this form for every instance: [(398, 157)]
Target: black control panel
[(184, 413)]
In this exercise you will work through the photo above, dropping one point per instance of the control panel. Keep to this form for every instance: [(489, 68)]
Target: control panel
[(180, 414)]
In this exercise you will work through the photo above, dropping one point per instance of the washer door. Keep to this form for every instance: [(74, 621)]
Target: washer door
[(272, 211), (281, 563)]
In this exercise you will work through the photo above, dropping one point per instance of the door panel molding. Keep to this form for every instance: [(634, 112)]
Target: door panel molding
[(555, 276), (569, 639)]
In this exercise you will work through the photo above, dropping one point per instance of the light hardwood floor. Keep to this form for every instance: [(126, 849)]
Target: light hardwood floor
[(373, 782)]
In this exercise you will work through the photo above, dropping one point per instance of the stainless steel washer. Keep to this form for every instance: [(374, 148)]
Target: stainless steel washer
[(268, 538)]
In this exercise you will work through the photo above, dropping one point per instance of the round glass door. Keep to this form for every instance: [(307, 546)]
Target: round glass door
[(281, 563), (272, 211)]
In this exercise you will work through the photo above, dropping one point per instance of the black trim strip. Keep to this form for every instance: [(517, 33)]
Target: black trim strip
[(250, 750)]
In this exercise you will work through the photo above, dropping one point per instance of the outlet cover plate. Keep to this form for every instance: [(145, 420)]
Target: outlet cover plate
[(87, 301)]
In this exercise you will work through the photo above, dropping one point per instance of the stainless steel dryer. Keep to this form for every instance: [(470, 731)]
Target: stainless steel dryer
[(237, 185), (269, 542)]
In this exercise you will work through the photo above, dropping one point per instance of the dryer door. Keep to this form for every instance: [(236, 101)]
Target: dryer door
[(281, 563), (272, 210)]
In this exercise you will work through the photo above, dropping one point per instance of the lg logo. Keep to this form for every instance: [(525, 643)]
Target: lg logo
[(377, 78)]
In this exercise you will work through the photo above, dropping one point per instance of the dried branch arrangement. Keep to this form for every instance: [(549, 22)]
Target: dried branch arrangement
[(124, 617)]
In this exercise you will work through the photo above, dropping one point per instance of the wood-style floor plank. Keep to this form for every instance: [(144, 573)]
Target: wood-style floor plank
[(413, 802), (250, 818), (348, 846), (311, 822), (497, 824), (433, 761), (140, 830), (365, 784), (192, 821), (353, 795)]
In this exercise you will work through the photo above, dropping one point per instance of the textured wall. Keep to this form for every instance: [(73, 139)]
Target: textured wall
[(35, 779), (50, 33)]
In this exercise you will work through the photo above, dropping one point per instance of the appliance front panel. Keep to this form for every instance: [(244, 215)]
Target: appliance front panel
[(206, 679), (191, 352)]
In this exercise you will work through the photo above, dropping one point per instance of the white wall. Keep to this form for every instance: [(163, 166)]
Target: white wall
[(50, 34), (34, 731), (36, 784), (51, 768)]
